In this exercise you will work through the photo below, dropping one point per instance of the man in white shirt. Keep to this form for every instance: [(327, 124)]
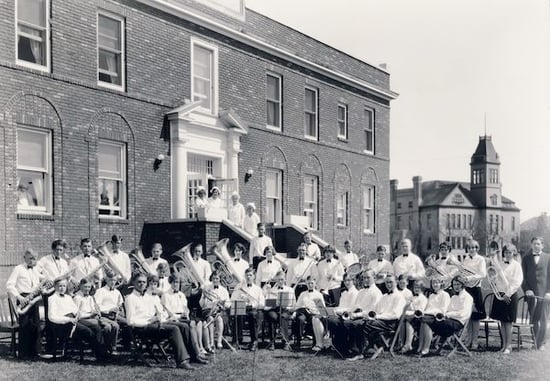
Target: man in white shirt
[(313, 250), (458, 313), (109, 301), (267, 268), (84, 264), (202, 265), (308, 310), (143, 316), (255, 302), (54, 265), (155, 260), (251, 220), (280, 314), (299, 269), (339, 326), (408, 263), (23, 285), (258, 245), (121, 259), (381, 267), (329, 273), (236, 211), (349, 257)]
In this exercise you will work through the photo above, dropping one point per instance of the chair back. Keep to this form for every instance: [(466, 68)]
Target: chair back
[(6, 314), (523, 311), (488, 303)]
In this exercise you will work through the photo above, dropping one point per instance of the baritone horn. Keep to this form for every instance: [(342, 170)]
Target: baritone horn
[(138, 260), (110, 266), (186, 267), (229, 274), (497, 280)]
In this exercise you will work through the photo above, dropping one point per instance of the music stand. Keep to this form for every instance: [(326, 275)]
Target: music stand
[(238, 308)]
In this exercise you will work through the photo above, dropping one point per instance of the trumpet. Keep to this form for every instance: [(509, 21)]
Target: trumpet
[(439, 316), (138, 259), (220, 250), (418, 314), (371, 315), (436, 270), (347, 315), (497, 280), (22, 306)]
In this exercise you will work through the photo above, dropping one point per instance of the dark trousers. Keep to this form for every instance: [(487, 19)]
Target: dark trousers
[(275, 317), (168, 332), (342, 335), (254, 319), (185, 332), (29, 333), (86, 330), (302, 325), (538, 310), (368, 332), (333, 297)]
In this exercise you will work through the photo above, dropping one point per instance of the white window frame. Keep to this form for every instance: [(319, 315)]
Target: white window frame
[(278, 203), (312, 211), (277, 101), (315, 112), (122, 73), (47, 209), (31, 65), (122, 208), (372, 129), (214, 72), (344, 121), (342, 202), (368, 206)]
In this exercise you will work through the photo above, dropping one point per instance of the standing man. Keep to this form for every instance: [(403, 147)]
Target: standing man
[(155, 260), (330, 274), (299, 269), (536, 285), (258, 245), (349, 256), (313, 250), (202, 265), (408, 263), (121, 259), (85, 263)]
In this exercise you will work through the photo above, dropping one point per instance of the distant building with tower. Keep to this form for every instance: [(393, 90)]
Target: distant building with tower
[(435, 211)]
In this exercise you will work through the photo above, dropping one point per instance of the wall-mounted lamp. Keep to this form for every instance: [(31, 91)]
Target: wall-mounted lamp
[(157, 162), (248, 175)]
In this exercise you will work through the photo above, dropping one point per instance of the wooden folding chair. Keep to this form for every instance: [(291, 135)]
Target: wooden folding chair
[(523, 323), (389, 338), (489, 323), (455, 341), (140, 344), (9, 323)]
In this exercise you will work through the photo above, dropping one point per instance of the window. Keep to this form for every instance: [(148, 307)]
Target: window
[(497, 220), (112, 179), (493, 176), (204, 75), (453, 242), (448, 219), (478, 176), (342, 209), (310, 113), (398, 205), (410, 204), (429, 221), (458, 221), (34, 171), (470, 221), (513, 224), (342, 121), (429, 243), (398, 223), (491, 224), (410, 222), (369, 211), (273, 101), (453, 221), (494, 199), (369, 131), (311, 200), (110, 51), (32, 34), (274, 196)]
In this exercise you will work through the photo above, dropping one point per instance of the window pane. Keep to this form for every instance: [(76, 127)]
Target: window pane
[(310, 100), (109, 33), (32, 11), (273, 88), (271, 184), (32, 149), (109, 160), (32, 188), (311, 129), (369, 143), (32, 49), (272, 114), (201, 62), (109, 197)]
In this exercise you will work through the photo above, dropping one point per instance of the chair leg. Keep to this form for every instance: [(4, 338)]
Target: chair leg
[(486, 335), (13, 343)]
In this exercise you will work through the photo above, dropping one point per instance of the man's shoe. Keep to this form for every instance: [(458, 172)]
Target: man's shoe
[(253, 346), (46, 356), (287, 347), (271, 346), (201, 360), (355, 358), (185, 365)]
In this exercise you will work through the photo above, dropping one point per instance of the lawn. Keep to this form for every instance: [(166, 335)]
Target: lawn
[(303, 365)]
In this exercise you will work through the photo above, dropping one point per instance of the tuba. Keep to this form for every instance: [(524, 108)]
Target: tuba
[(497, 280), (433, 269), (185, 266), (229, 276), (111, 266), (140, 264), (464, 271)]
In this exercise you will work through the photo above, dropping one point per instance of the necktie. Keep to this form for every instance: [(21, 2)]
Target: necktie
[(236, 259), (301, 259), (216, 287), (155, 259), (535, 255), (506, 262), (390, 292), (61, 295), (380, 260), (405, 255), (280, 288), (249, 285), (328, 260), (309, 290), (269, 261)]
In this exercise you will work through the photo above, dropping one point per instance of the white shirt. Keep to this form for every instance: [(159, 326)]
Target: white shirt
[(407, 294), (108, 300), (253, 295), (221, 296), (514, 275), (85, 305), (215, 203), (201, 203), (257, 246), (59, 306), (460, 307), (383, 266), (347, 300), (417, 303), (250, 224), (203, 268), (236, 214), (176, 303), (266, 271), (348, 259), (477, 264), (84, 266), (52, 268), (324, 270), (368, 298), (23, 280), (122, 261), (299, 269), (164, 285), (154, 263), (390, 306), (273, 293), (410, 265), (140, 309), (437, 303), (310, 300), (313, 251), (240, 266)]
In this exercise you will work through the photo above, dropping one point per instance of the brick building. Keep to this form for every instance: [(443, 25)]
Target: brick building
[(435, 211), (114, 112)]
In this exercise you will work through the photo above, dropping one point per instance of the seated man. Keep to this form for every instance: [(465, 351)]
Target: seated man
[(308, 311), (385, 317), (339, 326), (109, 301), (143, 316), (279, 314), (458, 313)]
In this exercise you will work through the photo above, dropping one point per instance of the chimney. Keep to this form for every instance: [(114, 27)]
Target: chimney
[(417, 190)]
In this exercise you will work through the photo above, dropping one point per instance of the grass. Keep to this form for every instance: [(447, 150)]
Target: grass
[(303, 365)]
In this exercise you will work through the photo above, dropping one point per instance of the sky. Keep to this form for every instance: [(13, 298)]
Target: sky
[(458, 66)]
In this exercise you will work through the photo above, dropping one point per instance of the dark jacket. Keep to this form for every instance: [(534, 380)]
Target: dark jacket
[(536, 277)]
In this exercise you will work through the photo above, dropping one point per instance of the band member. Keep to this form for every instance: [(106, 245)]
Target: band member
[(413, 314), (54, 265), (385, 317), (299, 269), (308, 312), (24, 282), (85, 263), (255, 302), (445, 257), (258, 245), (280, 313), (505, 309), (144, 318), (349, 257), (109, 300), (381, 265), (339, 326), (330, 274), (438, 303), (239, 263), (313, 250), (459, 311), (214, 301), (236, 211), (155, 260), (477, 269), (251, 220), (89, 315), (202, 265), (536, 285), (267, 268), (163, 271), (64, 320), (121, 259), (408, 262), (402, 283)]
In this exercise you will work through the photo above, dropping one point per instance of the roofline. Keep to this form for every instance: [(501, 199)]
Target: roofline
[(180, 11)]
